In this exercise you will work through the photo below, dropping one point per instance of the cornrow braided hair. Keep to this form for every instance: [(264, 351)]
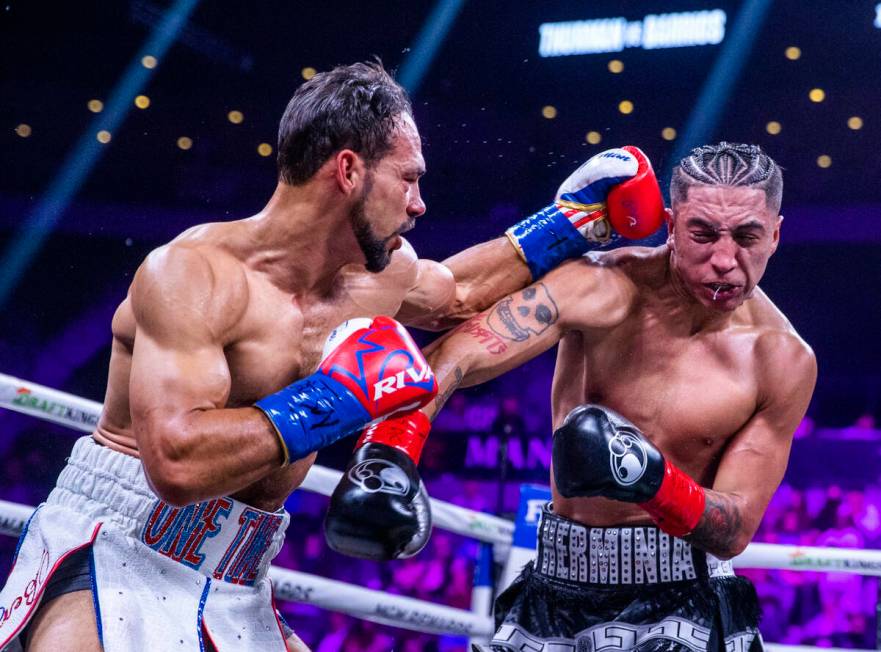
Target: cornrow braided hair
[(728, 164)]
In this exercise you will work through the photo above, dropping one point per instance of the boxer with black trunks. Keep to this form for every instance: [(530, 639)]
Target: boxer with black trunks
[(680, 341), (227, 374)]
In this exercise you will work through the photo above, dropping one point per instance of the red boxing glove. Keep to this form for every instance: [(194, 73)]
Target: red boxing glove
[(635, 207), (678, 506), (380, 364), (406, 432)]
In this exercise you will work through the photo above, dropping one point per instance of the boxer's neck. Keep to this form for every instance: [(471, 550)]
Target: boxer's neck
[(686, 310), (303, 237)]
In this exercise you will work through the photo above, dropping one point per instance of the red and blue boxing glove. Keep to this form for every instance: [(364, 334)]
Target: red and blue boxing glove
[(597, 452), (614, 194), (371, 369)]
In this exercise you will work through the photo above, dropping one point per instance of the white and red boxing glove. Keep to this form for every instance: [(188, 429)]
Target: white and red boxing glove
[(371, 369), (613, 194)]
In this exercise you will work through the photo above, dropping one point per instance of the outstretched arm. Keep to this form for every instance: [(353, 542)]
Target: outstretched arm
[(611, 195), (445, 294), (579, 294), (756, 458)]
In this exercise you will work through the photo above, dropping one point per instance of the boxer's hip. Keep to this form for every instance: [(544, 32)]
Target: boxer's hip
[(224, 538), (150, 562), (624, 588)]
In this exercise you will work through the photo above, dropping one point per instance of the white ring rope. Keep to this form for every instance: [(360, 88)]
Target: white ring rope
[(399, 611)]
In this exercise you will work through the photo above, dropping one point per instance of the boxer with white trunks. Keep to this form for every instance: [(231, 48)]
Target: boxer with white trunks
[(708, 382), (222, 386)]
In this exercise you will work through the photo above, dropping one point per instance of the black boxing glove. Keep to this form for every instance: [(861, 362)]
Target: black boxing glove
[(597, 452), (380, 509)]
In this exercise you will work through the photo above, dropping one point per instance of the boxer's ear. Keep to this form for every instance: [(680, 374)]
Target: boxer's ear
[(668, 217), (349, 171), (775, 234)]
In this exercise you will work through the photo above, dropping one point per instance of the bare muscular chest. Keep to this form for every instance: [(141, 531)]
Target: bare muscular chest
[(688, 394), (282, 336)]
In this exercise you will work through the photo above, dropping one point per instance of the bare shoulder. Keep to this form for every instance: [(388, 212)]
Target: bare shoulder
[(403, 270), (783, 358), (189, 281)]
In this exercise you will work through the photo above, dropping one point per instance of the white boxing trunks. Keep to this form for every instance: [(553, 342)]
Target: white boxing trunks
[(163, 578)]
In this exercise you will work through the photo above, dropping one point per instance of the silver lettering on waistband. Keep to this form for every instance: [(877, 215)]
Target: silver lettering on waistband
[(549, 557), (611, 553), (577, 558), (683, 564), (645, 557), (664, 555), (596, 542), (562, 549), (626, 555)]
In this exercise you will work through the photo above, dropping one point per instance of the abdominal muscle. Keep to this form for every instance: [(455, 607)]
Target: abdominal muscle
[(599, 512)]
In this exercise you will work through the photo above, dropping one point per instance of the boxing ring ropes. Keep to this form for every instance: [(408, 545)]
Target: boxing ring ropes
[(395, 610)]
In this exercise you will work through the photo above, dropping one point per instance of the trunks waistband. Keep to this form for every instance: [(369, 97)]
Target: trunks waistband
[(224, 538), (603, 556)]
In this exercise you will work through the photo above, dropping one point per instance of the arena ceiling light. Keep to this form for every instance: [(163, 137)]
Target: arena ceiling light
[(653, 32)]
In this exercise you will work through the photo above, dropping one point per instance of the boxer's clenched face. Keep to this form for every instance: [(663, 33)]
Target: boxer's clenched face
[(390, 201), (721, 238)]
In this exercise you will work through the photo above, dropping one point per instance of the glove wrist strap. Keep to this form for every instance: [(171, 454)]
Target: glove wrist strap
[(406, 433), (678, 506), (312, 413), (559, 232)]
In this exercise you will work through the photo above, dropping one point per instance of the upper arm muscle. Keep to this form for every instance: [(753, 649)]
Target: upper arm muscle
[(755, 459), (183, 311)]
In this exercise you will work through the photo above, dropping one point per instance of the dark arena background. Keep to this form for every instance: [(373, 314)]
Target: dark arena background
[(123, 123)]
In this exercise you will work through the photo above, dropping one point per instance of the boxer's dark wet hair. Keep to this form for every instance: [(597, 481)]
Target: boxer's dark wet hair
[(353, 107), (728, 164)]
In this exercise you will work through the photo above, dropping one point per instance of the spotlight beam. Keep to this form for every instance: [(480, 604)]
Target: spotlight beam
[(709, 108), (26, 244), (427, 43)]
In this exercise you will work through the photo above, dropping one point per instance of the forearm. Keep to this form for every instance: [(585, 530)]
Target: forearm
[(724, 529), (484, 274), (468, 355), (209, 453), (489, 344)]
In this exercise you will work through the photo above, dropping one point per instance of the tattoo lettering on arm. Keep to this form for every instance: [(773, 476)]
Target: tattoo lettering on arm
[(721, 525), (492, 342), (524, 314)]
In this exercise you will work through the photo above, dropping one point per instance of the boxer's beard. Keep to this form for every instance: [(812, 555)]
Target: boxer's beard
[(375, 248)]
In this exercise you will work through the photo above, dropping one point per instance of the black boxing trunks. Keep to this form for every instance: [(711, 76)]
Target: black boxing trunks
[(623, 588)]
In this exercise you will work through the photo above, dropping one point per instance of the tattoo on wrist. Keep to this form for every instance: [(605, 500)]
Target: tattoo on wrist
[(441, 399), (492, 342), (523, 314), (720, 526)]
